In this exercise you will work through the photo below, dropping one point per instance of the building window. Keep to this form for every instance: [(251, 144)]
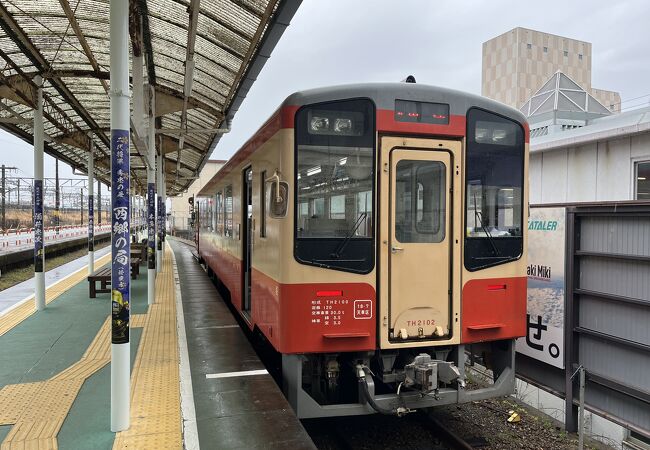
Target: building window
[(643, 180), (545, 49), (580, 56), (566, 53), (529, 46)]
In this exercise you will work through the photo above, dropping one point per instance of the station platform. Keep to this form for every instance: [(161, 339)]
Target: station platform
[(195, 379)]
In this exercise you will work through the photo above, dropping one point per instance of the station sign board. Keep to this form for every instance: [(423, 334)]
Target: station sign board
[(546, 296)]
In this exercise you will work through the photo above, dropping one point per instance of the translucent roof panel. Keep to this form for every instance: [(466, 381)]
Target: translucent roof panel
[(67, 42), (561, 93)]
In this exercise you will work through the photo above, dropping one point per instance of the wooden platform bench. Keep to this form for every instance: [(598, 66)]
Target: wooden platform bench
[(135, 267), (103, 276), (139, 249)]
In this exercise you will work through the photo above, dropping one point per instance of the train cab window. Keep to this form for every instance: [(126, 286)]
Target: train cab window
[(420, 201), (334, 185), (494, 190), (228, 225)]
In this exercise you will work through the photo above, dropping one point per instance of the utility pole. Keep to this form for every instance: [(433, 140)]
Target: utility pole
[(99, 202), (81, 208), (57, 219), (3, 225)]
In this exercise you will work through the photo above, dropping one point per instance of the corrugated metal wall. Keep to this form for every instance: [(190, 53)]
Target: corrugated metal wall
[(607, 315), (607, 319)]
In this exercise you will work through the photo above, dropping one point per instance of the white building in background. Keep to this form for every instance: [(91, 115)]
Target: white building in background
[(580, 152), (179, 214)]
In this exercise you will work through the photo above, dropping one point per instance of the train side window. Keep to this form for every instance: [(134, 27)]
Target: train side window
[(228, 225), (263, 204), (278, 203), (219, 209)]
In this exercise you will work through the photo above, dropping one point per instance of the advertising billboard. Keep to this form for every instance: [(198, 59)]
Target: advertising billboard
[(545, 319)]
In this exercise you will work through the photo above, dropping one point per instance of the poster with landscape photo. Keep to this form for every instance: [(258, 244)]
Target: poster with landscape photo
[(545, 318)]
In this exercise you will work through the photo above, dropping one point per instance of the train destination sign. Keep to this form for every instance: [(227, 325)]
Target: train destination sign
[(421, 112)]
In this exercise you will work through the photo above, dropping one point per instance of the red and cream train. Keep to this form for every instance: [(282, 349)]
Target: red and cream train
[(371, 232)]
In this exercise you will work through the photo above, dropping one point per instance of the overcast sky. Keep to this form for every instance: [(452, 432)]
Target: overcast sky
[(439, 42)]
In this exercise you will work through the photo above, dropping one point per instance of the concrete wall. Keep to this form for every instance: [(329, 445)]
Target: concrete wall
[(610, 99), (593, 172), (513, 72), (180, 208)]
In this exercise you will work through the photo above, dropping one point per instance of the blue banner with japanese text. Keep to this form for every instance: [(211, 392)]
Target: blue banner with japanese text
[(91, 224), (160, 223), (39, 250), (120, 236), (151, 225)]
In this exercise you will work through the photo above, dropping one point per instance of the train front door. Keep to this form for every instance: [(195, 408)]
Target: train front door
[(419, 235)]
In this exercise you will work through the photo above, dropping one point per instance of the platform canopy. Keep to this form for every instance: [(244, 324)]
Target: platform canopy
[(200, 56)]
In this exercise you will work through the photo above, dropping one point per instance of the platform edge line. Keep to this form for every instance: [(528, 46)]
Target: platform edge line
[(188, 412), (30, 297)]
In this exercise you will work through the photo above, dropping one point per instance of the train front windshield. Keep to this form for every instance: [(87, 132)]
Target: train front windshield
[(494, 167), (335, 185)]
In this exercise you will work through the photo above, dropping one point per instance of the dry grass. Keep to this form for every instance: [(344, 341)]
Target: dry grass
[(15, 276), (22, 218)]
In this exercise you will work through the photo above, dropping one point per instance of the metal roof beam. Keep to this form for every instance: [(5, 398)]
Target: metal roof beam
[(82, 39), (170, 95), (24, 92), (146, 40), (189, 69), (253, 47), (16, 33), (214, 19)]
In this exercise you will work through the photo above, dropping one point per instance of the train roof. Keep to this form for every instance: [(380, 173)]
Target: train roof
[(385, 94)]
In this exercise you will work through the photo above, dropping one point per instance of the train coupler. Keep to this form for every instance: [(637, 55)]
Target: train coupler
[(425, 373)]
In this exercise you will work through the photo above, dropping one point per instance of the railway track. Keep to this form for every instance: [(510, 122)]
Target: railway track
[(419, 430)]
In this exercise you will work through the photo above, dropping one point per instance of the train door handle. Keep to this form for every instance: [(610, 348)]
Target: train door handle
[(394, 249)]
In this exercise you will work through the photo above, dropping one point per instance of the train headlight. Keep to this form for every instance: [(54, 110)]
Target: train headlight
[(343, 126), (320, 124), (335, 123)]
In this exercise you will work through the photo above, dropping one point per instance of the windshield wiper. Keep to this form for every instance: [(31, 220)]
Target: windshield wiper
[(348, 236), (477, 215)]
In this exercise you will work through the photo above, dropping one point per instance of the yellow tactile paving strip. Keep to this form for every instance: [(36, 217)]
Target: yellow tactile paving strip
[(37, 410), (17, 315), (155, 392)]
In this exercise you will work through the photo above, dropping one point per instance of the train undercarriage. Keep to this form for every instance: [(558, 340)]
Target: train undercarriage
[(391, 381)]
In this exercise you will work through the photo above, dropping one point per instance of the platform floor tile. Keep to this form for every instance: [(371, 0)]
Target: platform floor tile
[(155, 393), (15, 316), (37, 410)]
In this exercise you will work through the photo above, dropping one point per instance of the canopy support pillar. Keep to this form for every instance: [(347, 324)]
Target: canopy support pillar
[(120, 216), (39, 237), (151, 201), (91, 209)]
